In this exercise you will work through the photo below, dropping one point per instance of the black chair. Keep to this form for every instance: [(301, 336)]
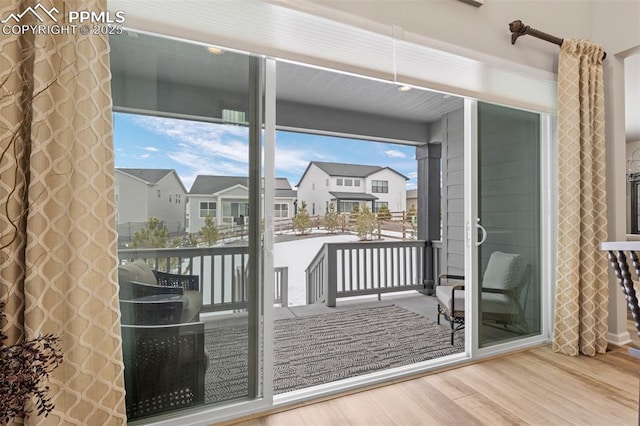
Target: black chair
[(504, 280), (156, 309), (164, 368)]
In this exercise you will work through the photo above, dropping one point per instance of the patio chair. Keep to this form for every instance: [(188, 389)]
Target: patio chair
[(502, 284), (164, 367), (137, 281)]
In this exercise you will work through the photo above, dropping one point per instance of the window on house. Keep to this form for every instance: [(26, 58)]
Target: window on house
[(208, 208), (313, 208), (117, 195), (170, 197), (281, 210), (327, 184), (231, 211), (356, 182), (348, 206), (178, 198), (159, 193), (380, 186), (348, 182), (339, 182), (378, 204), (313, 186)]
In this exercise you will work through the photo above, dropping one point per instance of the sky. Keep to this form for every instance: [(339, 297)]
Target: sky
[(193, 148)]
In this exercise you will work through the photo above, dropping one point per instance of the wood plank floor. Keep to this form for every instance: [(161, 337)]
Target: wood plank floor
[(536, 387)]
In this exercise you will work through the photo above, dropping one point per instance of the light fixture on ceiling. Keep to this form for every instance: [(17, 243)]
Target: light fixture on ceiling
[(215, 50), (404, 88)]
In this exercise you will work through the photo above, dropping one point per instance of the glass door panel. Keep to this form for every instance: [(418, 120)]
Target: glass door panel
[(187, 139), (509, 224)]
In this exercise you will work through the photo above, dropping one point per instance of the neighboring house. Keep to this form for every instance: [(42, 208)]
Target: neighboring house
[(144, 193), (412, 198), (226, 198), (348, 185)]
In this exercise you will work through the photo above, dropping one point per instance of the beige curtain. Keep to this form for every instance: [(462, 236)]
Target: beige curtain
[(581, 292), (58, 261)]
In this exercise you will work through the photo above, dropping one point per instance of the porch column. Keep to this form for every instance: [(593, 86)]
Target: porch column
[(428, 221)]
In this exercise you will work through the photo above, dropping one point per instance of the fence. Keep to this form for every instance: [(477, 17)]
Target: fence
[(354, 269), (222, 272)]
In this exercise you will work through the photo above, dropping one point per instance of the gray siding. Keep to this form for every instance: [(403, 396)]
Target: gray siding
[(453, 192)]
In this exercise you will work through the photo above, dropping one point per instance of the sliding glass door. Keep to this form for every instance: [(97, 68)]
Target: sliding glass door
[(504, 223), (188, 142)]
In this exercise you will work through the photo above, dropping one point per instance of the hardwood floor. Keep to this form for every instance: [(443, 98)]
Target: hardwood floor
[(536, 387)]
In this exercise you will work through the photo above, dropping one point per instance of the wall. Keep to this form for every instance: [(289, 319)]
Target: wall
[(132, 199), (453, 192), (320, 195), (396, 197), (170, 212)]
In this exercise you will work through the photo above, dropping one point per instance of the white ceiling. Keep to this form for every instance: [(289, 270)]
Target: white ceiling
[(161, 59)]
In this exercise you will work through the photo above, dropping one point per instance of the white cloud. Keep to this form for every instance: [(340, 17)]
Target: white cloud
[(393, 153), (412, 175), (411, 185), (291, 159), (150, 148), (144, 156), (201, 148)]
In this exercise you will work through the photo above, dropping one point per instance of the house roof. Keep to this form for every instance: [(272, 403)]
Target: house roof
[(148, 175), (347, 170), (360, 196), (207, 185), (151, 176)]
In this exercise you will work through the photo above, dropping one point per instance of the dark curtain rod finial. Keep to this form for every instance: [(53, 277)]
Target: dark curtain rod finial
[(518, 28)]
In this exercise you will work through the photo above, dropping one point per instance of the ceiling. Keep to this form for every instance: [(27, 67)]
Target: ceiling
[(158, 59), (162, 60)]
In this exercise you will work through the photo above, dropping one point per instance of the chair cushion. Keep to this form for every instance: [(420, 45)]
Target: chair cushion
[(443, 293), (192, 305), (494, 303), (504, 271), (138, 271)]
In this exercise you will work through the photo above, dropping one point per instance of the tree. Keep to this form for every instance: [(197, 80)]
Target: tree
[(209, 232), (413, 211), (331, 219), (384, 213), (302, 221), (24, 368), (153, 235), (366, 224)]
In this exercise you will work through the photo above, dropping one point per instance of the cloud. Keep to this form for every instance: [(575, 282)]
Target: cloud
[(144, 156), (292, 160), (150, 148), (412, 175), (202, 148), (411, 185), (393, 153)]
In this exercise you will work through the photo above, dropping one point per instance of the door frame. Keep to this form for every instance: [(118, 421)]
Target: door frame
[(548, 192)]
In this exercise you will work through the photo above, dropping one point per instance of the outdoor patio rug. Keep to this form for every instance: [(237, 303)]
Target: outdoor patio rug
[(319, 349)]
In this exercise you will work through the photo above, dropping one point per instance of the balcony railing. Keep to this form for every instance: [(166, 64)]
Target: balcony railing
[(222, 272), (363, 268)]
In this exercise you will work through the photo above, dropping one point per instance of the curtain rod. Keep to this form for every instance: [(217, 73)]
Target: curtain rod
[(518, 29)]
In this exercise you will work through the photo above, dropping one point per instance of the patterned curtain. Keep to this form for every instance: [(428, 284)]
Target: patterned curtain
[(582, 282), (57, 211)]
